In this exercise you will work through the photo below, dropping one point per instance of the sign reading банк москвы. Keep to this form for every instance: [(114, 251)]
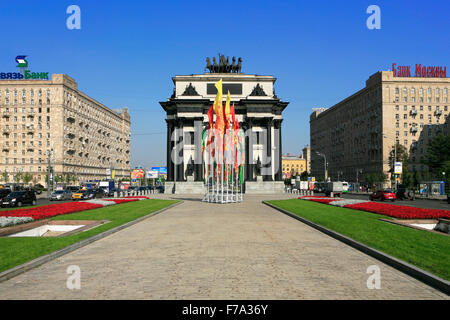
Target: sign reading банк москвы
[(421, 71), (24, 74)]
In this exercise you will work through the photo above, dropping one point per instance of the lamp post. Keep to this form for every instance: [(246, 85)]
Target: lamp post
[(395, 158), (324, 163)]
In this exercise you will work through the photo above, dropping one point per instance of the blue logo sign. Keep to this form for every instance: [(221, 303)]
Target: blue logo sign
[(26, 74)]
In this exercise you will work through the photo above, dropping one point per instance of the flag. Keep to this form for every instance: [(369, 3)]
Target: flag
[(218, 100), (211, 116)]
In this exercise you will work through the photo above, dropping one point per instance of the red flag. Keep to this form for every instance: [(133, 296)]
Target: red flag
[(232, 114), (211, 116)]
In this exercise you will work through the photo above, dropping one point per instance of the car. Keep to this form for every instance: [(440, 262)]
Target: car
[(61, 195), (160, 188), (4, 193), (405, 193), (383, 194), (86, 194), (18, 199)]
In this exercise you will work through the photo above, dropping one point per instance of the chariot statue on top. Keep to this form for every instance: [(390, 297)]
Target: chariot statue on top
[(224, 65)]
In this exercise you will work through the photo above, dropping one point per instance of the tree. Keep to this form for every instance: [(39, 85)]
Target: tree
[(27, 178), (304, 176), (403, 157), (5, 176), (18, 177), (438, 155), (417, 178)]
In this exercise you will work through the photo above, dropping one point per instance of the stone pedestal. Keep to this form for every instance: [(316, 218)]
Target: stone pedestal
[(185, 187), (264, 187)]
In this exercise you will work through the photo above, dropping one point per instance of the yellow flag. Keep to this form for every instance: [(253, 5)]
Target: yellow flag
[(218, 100)]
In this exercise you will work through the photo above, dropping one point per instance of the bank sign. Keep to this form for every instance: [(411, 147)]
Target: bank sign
[(421, 71), (24, 73)]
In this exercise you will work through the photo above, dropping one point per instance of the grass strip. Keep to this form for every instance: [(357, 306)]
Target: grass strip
[(16, 251), (426, 250)]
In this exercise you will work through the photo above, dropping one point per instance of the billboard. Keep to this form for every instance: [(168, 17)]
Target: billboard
[(161, 170), (137, 174), (152, 174)]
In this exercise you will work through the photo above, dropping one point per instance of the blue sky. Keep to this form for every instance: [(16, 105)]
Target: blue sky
[(127, 51)]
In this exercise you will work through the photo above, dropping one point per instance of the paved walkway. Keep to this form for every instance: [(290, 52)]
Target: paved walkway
[(207, 251)]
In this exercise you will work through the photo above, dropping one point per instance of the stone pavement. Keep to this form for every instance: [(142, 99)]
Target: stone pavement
[(209, 251)]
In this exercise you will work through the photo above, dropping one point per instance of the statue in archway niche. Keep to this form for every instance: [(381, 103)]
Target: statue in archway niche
[(258, 167), (189, 168)]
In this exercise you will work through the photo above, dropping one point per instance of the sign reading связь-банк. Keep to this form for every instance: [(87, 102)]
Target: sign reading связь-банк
[(24, 74), (421, 71)]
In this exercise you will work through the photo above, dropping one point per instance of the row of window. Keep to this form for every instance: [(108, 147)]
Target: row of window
[(15, 92), (429, 91), (15, 102), (421, 99), (421, 108)]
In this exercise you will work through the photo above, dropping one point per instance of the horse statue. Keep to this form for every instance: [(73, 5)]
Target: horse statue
[(237, 68), (227, 65), (208, 65), (215, 65)]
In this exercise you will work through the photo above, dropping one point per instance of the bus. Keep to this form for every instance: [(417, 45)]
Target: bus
[(344, 186)]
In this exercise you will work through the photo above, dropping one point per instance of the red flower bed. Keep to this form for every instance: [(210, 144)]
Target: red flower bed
[(403, 212), (117, 201), (51, 210)]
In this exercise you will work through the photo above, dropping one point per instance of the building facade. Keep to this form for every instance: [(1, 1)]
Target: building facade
[(257, 108), (358, 134), (307, 156), (293, 165), (52, 119)]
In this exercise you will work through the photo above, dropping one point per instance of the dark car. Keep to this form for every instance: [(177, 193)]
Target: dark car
[(4, 193), (19, 198), (385, 194), (405, 193)]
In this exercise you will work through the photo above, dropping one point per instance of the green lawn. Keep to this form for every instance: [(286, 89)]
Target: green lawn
[(15, 251), (426, 250)]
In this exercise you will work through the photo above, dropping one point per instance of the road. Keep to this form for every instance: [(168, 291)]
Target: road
[(418, 203)]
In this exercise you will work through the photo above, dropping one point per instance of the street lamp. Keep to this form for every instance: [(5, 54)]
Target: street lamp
[(324, 163), (395, 158)]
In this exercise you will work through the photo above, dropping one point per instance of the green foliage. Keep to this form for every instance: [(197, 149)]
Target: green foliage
[(27, 178), (304, 176), (424, 249), (15, 251), (438, 155), (5, 177)]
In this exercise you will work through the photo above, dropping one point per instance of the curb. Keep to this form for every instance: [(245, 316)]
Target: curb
[(417, 273), (11, 273)]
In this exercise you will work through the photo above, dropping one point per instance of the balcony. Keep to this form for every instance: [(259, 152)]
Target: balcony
[(30, 147), (413, 112), (6, 131), (414, 129), (71, 119), (30, 129), (5, 147), (438, 113), (6, 114)]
